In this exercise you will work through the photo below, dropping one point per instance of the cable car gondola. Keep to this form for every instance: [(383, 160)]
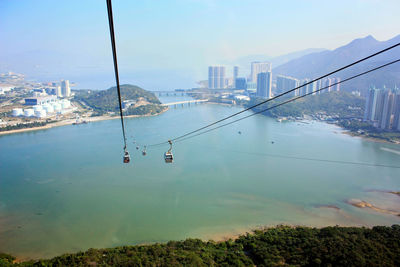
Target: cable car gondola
[(168, 157), (127, 158), (144, 151)]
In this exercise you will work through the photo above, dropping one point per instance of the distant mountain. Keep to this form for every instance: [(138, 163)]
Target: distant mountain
[(244, 62), (316, 64)]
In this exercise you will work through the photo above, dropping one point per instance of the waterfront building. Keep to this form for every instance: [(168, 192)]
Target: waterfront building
[(388, 110), (286, 83), (258, 67), (65, 89), (264, 84), (396, 113), (241, 83), (216, 77), (382, 108)]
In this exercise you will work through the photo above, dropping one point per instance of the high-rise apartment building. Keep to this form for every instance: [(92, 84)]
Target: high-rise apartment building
[(258, 67), (241, 83), (264, 84), (235, 75), (216, 77), (388, 110), (65, 89), (304, 89), (382, 108), (285, 83)]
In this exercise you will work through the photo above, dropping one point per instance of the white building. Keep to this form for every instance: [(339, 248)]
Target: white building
[(29, 112), (65, 89), (40, 114), (264, 85), (216, 77), (17, 112), (258, 67)]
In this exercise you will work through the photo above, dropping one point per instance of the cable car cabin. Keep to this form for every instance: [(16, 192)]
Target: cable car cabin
[(168, 157), (127, 158), (144, 153)]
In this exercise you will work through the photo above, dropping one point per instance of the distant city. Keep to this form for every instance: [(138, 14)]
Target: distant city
[(259, 83)]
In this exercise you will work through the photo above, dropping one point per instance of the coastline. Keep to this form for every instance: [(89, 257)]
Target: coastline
[(71, 121), (368, 138)]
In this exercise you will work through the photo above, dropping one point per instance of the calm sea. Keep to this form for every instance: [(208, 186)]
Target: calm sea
[(65, 189)]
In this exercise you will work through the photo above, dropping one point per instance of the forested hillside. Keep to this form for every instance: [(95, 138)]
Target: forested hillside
[(279, 246)]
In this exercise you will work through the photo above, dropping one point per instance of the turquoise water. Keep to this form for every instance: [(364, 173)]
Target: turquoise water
[(65, 189)]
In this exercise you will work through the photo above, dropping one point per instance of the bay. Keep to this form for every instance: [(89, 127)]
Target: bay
[(66, 189)]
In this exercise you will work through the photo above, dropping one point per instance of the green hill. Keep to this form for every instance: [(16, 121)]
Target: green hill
[(279, 246), (342, 104), (107, 100)]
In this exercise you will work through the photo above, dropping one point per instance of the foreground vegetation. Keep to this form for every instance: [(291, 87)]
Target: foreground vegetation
[(279, 246)]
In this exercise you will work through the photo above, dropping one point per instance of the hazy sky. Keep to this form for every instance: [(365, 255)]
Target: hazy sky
[(175, 40)]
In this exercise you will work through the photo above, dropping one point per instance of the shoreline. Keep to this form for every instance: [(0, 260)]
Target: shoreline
[(215, 237), (71, 121)]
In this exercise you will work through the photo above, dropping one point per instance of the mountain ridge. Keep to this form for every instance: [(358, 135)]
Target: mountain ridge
[(316, 64)]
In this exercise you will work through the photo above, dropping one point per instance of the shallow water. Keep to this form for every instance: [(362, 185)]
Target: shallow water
[(65, 189)]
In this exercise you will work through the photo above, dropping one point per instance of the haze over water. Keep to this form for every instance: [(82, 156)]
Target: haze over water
[(66, 189)]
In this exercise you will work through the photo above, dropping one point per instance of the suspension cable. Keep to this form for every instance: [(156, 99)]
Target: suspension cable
[(114, 50), (291, 100), (277, 96)]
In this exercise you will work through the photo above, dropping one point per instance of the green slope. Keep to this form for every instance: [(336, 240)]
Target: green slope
[(107, 100), (279, 246)]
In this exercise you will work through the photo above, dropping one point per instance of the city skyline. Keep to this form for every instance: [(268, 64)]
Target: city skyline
[(72, 37)]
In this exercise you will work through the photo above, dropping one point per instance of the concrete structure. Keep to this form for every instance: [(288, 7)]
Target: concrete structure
[(65, 104), (65, 89), (48, 108), (235, 75), (216, 77), (37, 107), (57, 107), (396, 118), (241, 83), (40, 114), (29, 112), (264, 84), (242, 97), (286, 83), (388, 110), (258, 67), (41, 100), (17, 112), (382, 108), (304, 90)]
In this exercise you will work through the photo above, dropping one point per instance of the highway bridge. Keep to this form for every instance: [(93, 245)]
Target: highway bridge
[(188, 102), (174, 93)]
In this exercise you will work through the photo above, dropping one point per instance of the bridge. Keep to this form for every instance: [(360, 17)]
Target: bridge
[(188, 102), (174, 93)]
